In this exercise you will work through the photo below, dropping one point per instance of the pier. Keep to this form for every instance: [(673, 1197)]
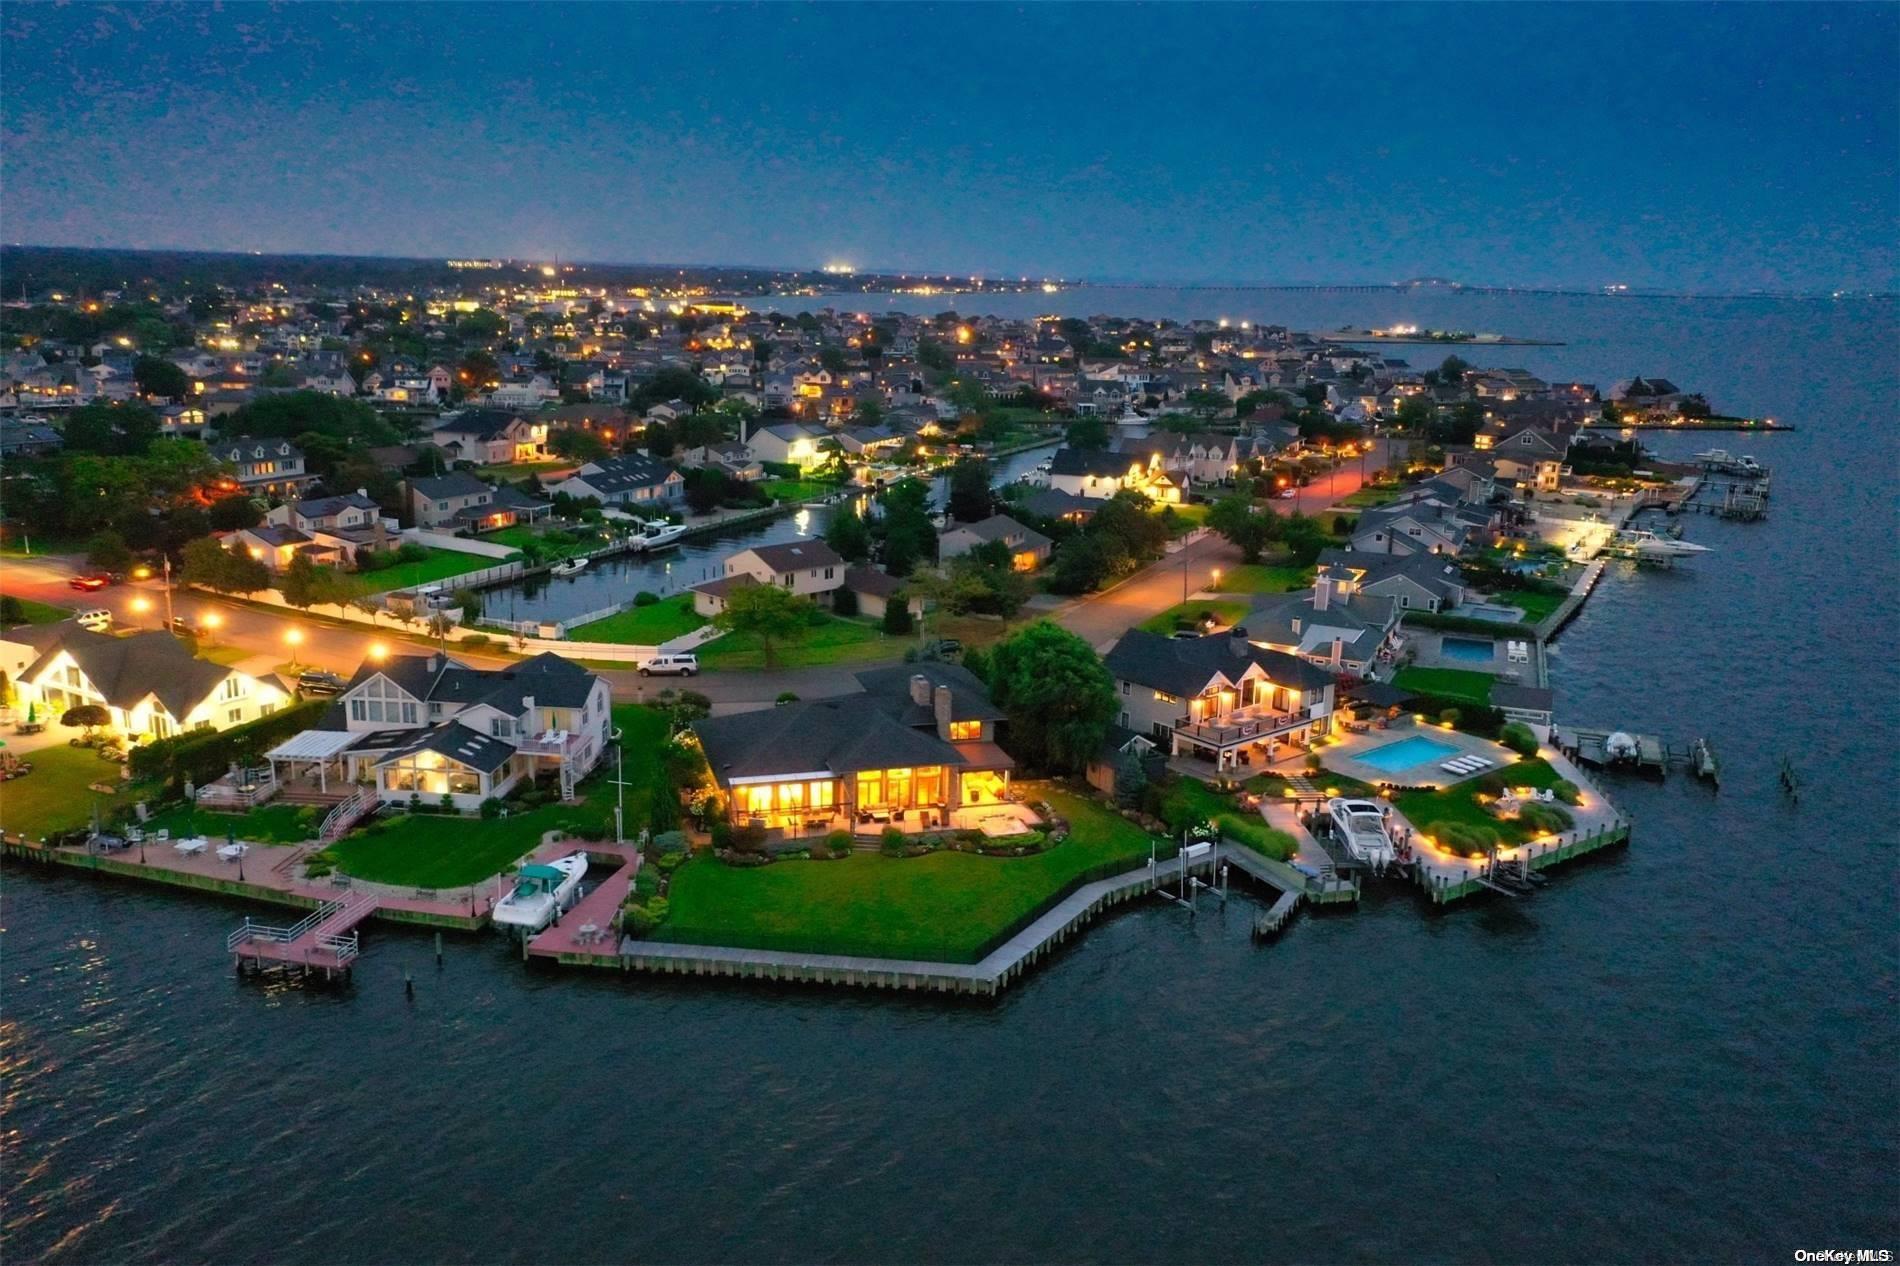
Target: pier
[(324, 940)]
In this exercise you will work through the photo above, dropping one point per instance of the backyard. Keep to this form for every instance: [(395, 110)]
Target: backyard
[(943, 906), (1263, 578), (57, 795), (266, 824), (644, 626), (797, 489), (833, 640), (442, 851), (1190, 799), (1448, 683), (439, 564), (1458, 804)]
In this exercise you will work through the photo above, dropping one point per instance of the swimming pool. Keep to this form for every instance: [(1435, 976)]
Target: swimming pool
[(1406, 753), (1467, 650)]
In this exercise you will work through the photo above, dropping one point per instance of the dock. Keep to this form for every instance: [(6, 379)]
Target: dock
[(586, 931), (324, 940), (1590, 747)]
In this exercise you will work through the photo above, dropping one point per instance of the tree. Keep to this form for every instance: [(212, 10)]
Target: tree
[(1416, 414), (1205, 403), (1452, 369), (481, 324), (160, 378), (1079, 565), (897, 620), (1235, 518), (847, 535), (1131, 780), (279, 374), (970, 499), (1089, 432), (1057, 695), (89, 715), (229, 514), (577, 445), (107, 549), (209, 564), (768, 614), (299, 582), (833, 359)]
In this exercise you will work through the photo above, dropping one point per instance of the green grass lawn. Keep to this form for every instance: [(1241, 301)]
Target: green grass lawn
[(445, 851), (797, 489), (1366, 498), (1452, 683), (1225, 612), (941, 907), (56, 795), (1263, 578), (441, 564), (644, 626), (1535, 603), (1428, 810), (40, 612), (515, 472), (1188, 515), (1233, 822), (834, 640), (266, 824)]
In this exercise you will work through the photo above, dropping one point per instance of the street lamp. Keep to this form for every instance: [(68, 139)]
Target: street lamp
[(378, 652), (293, 638), (141, 605), (210, 621)]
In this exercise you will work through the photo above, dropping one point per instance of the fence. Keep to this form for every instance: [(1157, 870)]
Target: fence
[(458, 544)]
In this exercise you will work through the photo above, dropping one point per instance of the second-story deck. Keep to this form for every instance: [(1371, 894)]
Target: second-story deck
[(1247, 725), (562, 743)]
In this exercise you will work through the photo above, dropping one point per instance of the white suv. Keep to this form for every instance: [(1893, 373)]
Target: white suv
[(683, 664), (98, 619)]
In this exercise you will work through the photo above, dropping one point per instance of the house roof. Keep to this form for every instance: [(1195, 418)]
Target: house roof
[(460, 744), (792, 555), (969, 698), (479, 424), (127, 669), (870, 581), (837, 736), (457, 483), (1184, 666), (551, 680), (623, 473), (1089, 461), (324, 507), (1000, 527)]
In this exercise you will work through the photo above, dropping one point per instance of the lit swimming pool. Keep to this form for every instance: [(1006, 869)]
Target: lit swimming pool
[(1406, 753), (1467, 650)]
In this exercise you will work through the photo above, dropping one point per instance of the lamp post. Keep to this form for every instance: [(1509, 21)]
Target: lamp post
[(210, 621), (141, 605), (293, 638)]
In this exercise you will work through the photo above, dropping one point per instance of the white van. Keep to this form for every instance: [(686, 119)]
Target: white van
[(681, 664), (98, 619)]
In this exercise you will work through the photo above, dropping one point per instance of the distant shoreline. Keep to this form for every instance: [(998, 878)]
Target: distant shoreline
[(1366, 336)]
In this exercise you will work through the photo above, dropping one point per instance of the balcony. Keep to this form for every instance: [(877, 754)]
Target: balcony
[(1247, 725), (561, 743)]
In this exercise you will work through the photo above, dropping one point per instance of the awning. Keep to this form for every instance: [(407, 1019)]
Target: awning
[(983, 756), (312, 745)]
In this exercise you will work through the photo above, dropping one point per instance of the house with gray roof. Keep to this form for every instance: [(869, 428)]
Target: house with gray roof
[(632, 481), (1417, 582), (1332, 624), (917, 749), (1221, 698), (1028, 548)]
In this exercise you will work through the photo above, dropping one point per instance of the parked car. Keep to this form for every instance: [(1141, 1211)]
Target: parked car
[(185, 628), (90, 584), (316, 682), (98, 619), (680, 664), (949, 646)]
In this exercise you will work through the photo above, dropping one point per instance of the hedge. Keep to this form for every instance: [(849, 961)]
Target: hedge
[(205, 756), (1465, 624)]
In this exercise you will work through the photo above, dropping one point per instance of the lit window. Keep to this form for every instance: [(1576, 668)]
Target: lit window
[(966, 731)]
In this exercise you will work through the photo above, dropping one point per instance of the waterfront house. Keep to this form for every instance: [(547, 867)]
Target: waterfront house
[(459, 502), (875, 590), (917, 749), (1417, 582), (428, 726), (148, 683), (1219, 698), (28, 437), (808, 568), (1098, 473), (786, 442), (492, 437), (267, 467), (632, 480), (1332, 624), (1028, 549)]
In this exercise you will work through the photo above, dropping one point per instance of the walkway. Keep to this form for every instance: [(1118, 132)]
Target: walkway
[(325, 939)]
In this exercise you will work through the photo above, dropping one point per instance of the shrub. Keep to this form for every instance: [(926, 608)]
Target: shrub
[(897, 620), (721, 832), (638, 920), (1546, 817), (491, 808), (1451, 716), (475, 640), (1566, 791), (891, 843), (203, 756), (645, 598), (1518, 737), (844, 601), (749, 838), (1494, 783), (669, 842), (838, 843), (1313, 761), (787, 696)]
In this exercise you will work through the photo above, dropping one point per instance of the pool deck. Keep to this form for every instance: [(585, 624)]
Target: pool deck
[(1428, 651), (1342, 755)]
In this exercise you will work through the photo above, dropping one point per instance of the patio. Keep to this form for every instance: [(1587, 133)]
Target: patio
[(1344, 753)]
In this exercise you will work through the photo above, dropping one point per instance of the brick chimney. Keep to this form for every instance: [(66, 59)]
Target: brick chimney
[(1237, 641), (920, 690), (940, 704)]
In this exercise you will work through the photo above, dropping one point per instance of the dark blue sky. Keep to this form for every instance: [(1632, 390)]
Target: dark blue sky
[(1696, 147)]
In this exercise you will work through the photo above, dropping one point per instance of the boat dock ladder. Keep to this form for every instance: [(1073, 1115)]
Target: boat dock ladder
[(325, 939)]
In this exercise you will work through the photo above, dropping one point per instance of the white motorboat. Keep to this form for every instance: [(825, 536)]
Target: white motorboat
[(541, 891), (1360, 826), (569, 567), (1643, 544), (659, 533)]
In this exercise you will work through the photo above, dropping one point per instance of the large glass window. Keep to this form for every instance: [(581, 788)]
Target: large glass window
[(380, 701), (965, 731)]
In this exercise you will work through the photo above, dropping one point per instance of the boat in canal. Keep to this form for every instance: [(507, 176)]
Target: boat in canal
[(657, 534), (542, 890), (1360, 826), (568, 567), (1645, 546)]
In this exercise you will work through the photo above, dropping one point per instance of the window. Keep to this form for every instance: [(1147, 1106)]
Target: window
[(380, 701), (1124, 687), (233, 715), (233, 688), (266, 709), (966, 731)]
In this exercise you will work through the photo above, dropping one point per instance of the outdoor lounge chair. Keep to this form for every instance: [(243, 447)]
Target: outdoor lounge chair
[(1452, 767)]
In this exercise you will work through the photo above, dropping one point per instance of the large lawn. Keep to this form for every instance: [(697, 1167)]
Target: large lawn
[(797, 489), (834, 640), (441, 564), (1536, 604), (1428, 810), (644, 626), (1451, 683), (56, 796), (1263, 578), (443, 851), (515, 472), (1224, 612), (1368, 497), (941, 907)]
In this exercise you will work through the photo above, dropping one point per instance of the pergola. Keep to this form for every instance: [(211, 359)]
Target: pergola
[(311, 748)]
